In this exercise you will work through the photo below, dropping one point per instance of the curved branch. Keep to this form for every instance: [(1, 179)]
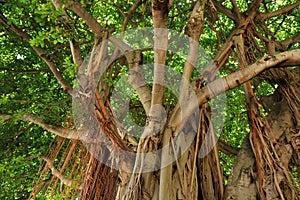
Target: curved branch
[(41, 53), (46, 58), (56, 173), (137, 80)]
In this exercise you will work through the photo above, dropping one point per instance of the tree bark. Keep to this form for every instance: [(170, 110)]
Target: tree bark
[(284, 129)]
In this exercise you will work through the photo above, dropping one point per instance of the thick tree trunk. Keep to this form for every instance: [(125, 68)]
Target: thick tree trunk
[(241, 183), (282, 133)]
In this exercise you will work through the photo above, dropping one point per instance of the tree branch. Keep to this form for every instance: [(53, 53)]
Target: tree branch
[(57, 130), (290, 41), (76, 54), (211, 70), (227, 149), (129, 14), (288, 58), (41, 53), (223, 9), (57, 174), (160, 11), (87, 17), (236, 11), (264, 16), (74, 46), (218, 86), (193, 30), (137, 80), (24, 71), (144, 92), (143, 89)]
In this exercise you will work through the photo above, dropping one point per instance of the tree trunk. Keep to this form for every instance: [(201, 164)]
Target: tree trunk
[(282, 130)]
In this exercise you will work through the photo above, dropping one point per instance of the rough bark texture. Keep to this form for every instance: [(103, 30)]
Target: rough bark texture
[(283, 128), (241, 184)]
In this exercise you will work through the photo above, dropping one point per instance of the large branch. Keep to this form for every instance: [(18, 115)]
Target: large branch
[(41, 52), (288, 58), (218, 86), (160, 11), (137, 80), (57, 130), (193, 29), (264, 16)]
